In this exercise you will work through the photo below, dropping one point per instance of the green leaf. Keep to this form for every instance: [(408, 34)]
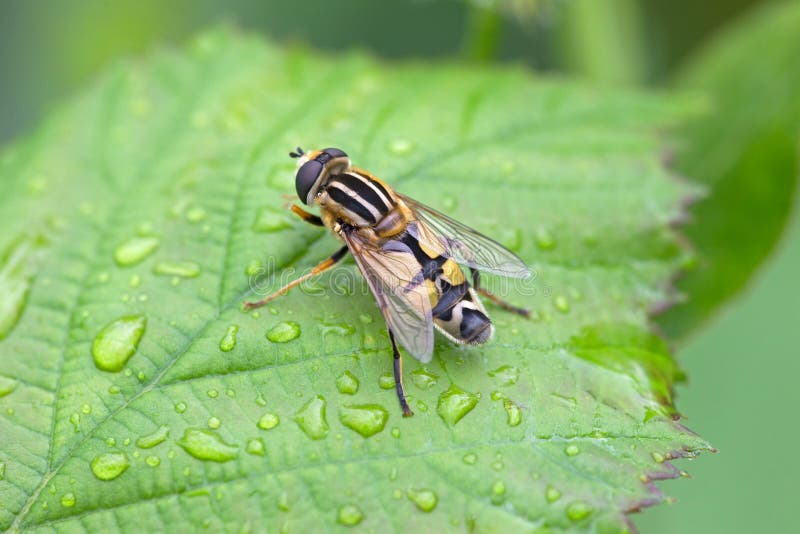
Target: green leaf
[(746, 151), (160, 192)]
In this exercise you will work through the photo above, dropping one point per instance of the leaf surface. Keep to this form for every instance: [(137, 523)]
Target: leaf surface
[(136, 395)]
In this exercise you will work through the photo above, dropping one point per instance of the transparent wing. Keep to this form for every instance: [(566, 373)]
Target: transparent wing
[(396, 282), (465, 245)]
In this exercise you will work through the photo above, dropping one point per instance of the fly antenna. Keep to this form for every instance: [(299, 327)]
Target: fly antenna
[(296, 154)]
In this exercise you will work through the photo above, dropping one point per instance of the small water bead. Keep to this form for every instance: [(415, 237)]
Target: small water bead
[(268, 421), (126, 441), (260, 400), (212, 393), (454, 404), (561, 303), (230, 392), (366, 318), (256, 447), (270, 220), (366, 419), (284, 332), (7, 386), (498, 492), (657, 457), (401, 147), (228, 341), (283, 502), (386, 381), (181, 269), (68, 500), (135, 280), (424, 499), (347, 383), (2, 470), (311, 418), (205, 445), (135, 250), (180, 407), (86, 409), (578, 510), (349, 515), (422, 406), (449, 202), (572, 450), (470, 458), (117, 342), (75, 419), (505, 375), (110, 465), (151, 440), (195, 214), (513, 412), (253, 268), (136, 454), (153, 461), (214, 423), (423, 378), (544, 239), (552, 494), (111, 442), (497, 395), (395, 432)]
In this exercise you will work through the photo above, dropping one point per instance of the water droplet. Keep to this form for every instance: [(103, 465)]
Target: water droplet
[(205, 445), (182, 269), (311, 418), (422, 406), (513, 412), (253, 268), (151, 440), (544, 239), (214, 423), (135, 250), (572, 450), (393, 473), (111, 442), (511, 238), (366, 318), (230, 392), (283, 502), (657, 457), (135, 280), (153, 461), (110, 465), (256, 447), (395, 432), (180, 407), (424, 499), (366, 419), (68, 500), (75, 419), (228, 341), (470, 458), (284, 332), (454, 404), (347, 383), (2, 470), (498, 492), (498, 464), (86, 409), (505, 375), (260, 400), (449, 202), (195, 214), (578, 510), (212, 393), (552, 494), (386, 381), (268, 421), (117, 342), (349, 515), (423, 378), (126, 441), (270, 220), (401, 147), (561, 303), (7, 386)]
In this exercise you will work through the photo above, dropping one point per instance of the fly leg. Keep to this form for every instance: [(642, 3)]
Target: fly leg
[(320, 268), (476, 280), (307, 217), (398, 377)]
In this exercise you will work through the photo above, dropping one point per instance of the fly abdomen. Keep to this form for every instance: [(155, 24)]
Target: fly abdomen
[(457, 312)]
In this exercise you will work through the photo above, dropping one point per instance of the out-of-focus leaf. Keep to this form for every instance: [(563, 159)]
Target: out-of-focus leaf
[(745, 150), (135, 395)]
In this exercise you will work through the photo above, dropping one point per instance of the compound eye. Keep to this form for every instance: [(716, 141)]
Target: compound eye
[(335, 153), (306, 177)]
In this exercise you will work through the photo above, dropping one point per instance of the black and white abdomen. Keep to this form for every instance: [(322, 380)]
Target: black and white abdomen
[(459, 314)]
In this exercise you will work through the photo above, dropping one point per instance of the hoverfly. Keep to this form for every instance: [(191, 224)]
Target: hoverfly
[(408, 253)]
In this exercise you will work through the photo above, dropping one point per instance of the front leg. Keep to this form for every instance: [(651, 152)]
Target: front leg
[(306, 216), (476, 281)]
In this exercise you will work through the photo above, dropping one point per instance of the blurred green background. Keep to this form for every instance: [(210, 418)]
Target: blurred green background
[(743, 361)]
